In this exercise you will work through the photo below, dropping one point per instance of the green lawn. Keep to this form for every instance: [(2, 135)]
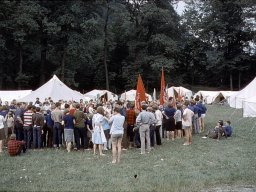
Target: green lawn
[(204, 166)]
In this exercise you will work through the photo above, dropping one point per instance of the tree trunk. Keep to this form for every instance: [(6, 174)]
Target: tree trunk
[(43, 43), (239, 80), (20, 66), (106, 46), (231, 81), (62, 73)]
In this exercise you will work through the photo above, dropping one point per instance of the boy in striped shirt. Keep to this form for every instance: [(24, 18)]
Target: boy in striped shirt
[(28, 126)]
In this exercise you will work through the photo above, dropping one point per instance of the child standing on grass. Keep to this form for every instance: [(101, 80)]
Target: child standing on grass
[(187, 123)]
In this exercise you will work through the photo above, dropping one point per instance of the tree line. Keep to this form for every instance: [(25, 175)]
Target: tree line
[(105, 44)]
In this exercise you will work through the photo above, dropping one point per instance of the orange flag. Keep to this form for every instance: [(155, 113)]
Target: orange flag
[(140, 93), (162, 90)]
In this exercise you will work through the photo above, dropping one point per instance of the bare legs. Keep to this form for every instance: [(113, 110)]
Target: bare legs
[(188, 136), (100, 149), (116, 150)]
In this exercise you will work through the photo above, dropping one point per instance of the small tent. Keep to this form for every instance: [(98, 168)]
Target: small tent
[(236, 100), (179, 91), (55, 89), (130, 95), (208, 97), (249, 107), (98, 94), (11, 95)]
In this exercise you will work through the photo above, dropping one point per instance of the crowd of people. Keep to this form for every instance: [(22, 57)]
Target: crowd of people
[(101, 126)]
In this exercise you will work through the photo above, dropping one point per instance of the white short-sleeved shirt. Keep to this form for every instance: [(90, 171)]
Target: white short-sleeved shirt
[(187, 117)]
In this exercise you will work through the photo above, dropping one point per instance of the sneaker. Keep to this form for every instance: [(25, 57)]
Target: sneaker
[(204, 137), (185, 144)]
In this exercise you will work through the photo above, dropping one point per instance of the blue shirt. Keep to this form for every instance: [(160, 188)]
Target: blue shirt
[(105, 124), (68, 121), (228, 130), (49, 120), (117, 124), (169, 112), (202, 108)]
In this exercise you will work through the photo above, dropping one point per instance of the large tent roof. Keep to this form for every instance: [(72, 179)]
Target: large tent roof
[(11, 95), (237, 99), (55, 89)]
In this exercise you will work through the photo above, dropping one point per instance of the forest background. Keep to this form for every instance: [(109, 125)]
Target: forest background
[(105, 44)]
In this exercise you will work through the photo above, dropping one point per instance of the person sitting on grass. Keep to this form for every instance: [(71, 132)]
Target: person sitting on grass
[(217, 132), (228, 129), (15, 147)]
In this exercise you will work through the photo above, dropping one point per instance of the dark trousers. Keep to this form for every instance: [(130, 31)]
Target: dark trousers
[(37, 132), (81, 138), (18, 130), (130, 132), (47, 136), (158, 137), (28, 136), (152, 129), (137, 138), (57, 134)]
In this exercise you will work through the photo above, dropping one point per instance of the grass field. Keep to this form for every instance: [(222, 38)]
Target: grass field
[(206, 165)]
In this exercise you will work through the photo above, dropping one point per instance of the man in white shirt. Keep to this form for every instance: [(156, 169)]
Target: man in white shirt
[(187, 123)]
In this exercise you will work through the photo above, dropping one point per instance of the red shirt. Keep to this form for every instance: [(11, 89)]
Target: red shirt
[(131, 117), (14, 146)]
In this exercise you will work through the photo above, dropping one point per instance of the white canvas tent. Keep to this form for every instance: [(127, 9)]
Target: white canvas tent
[(249, 107), (208, 97), (236, 100), (97, 94), (11, 95), (227, 94), (182, 91), (55, 89), (130, 95)]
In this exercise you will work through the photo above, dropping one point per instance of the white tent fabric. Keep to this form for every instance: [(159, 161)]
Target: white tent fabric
[(249, 107), (130, 95), (10, 95), (96, 94), (182, 91), (208, 96), (55, 89), (236, 100), (227, 94)]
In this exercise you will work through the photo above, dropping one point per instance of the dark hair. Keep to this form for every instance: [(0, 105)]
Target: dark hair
[(117, 109), (221, 122), (57, 104), (29, 107), (119, 103), (144, 107), (229, 122), (66, 106), (38, 109)]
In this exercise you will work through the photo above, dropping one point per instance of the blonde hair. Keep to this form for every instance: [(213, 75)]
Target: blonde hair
[(100, 110)]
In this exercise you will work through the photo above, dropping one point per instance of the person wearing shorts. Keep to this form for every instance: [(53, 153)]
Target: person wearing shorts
[(187, 123), (116, 131)]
